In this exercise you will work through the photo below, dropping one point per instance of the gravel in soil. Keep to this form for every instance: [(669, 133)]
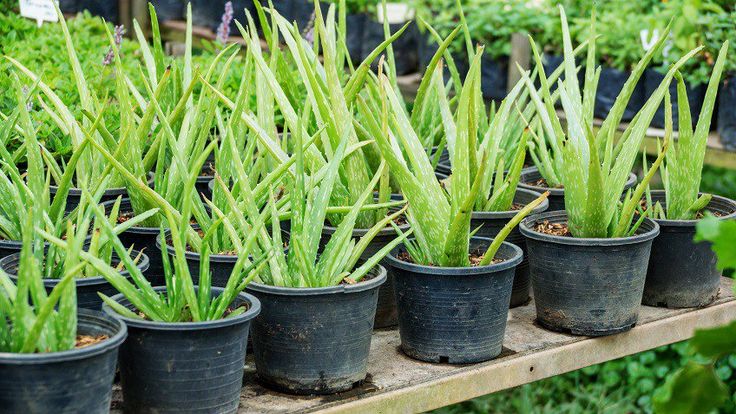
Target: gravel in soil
[(553, 229), (88, 340), (474, 257)]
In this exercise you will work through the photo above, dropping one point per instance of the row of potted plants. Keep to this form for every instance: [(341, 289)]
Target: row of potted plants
[(625, 32), (301, 227)]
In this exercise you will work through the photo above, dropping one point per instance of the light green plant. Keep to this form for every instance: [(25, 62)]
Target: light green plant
[(184, 300), (441, 225), (597, 165), (683, 163)]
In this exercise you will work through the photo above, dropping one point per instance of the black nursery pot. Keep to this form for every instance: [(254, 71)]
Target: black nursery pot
[(355, 26), (590, 286), (494, 77), (68, 6), (444, 166), (207, 13), (405, 47), (455, 315), (726, 114), (491, 222), (386, 313), (142, 239), (683, 273), (695, 96), (74, 381), (184, 367), (315, 340), (107, 9), (87, 287), (221, 265), (556, 195), (74, 197), (609, 87), (169, 9)]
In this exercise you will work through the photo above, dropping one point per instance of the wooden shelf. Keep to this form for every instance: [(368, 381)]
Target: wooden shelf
[(397, 383)]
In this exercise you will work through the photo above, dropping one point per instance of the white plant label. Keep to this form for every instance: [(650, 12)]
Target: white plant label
[(395, 13), (39, 10)]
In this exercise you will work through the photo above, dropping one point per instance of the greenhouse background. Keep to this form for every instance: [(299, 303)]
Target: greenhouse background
[(291, 156)]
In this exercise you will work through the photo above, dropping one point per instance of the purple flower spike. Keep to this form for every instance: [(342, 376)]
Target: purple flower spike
[(118, 38), (223, 31)]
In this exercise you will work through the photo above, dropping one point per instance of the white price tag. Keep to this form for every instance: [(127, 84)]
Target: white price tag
[(39, 10), (395, 13)]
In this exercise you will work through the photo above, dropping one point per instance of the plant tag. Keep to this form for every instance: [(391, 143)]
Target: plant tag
[(39, 10), (395, 13)]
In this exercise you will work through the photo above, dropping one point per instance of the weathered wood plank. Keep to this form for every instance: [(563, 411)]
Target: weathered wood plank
[(398, 384)]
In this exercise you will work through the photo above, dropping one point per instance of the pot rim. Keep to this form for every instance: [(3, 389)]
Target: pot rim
[(9, 358), (307, 291), (143, 266), (460, 271), (692, 223), (561, 191), (252, 312), (508, 214), (76, 191), (134, 229), (528, 232)]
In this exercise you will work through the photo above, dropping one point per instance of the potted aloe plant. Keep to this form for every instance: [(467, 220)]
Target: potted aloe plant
[(90, 169), (683, 272), (179, 331), (53, 356), (186, 128), (549, 163), (588, 263), (445, 275), (500, 137), (30, 189), (314, 333)]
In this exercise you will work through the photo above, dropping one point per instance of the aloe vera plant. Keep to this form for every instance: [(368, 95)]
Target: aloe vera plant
[(30, 320), (440, 220), (596, 163), (683, 162)]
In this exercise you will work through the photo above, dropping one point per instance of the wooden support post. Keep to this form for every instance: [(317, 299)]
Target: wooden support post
[(139, 12), (521, 53)]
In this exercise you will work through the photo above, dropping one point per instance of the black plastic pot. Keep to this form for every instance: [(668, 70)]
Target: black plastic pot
[(726, 114), (74, 197), (87, 288), (184, 367), (302, 12), (107, 9), (455, 315), (494, 77), (142, 239), (169, 9), (386, 313), (556, 195), (683, 273), (355, 25), (405, 47), (587, 286), (68, 6), (73, 381), (221, 265), (695, 96), (444, 166), (315, 340), (427, 48), (609, 87), (207, 13), (491, 222), (10, 247)]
